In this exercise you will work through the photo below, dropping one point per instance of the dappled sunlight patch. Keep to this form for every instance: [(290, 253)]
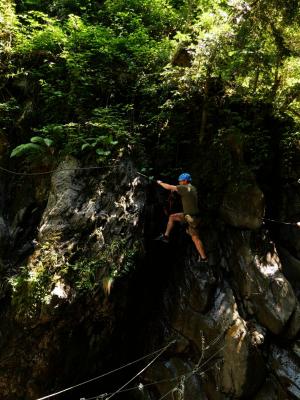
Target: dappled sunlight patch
[(60, 290), (269, 265)]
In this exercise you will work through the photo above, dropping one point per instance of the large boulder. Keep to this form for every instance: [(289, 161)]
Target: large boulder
[(243, 206), (100, 207), (258, 278), (192, 324), (89, 230), (243, 368), (220, 333)]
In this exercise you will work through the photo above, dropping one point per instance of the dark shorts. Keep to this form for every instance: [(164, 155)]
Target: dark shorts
[(193, 223)]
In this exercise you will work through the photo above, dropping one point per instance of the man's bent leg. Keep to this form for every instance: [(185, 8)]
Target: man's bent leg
[(179, 217), (194, 222)]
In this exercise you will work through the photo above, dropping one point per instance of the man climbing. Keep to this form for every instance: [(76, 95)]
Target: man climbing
[(190, 214)]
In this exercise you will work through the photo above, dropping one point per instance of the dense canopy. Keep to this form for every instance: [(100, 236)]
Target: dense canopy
[(100, 78)]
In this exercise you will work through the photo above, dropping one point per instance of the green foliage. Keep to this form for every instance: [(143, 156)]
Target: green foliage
[(157, 16), (7, 17), (38, 151), (105, 135), (37, 145), (116, 260), (84, 275), (30, 290), (38, 32), (33, 288), (163, 75), (61, 8), (76, 70), (9, 112)]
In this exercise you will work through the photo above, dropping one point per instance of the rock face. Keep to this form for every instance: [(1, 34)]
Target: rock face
[(286, 367), (227, 338), (91, 223), (243, 207), (266, 292), (96, 291)]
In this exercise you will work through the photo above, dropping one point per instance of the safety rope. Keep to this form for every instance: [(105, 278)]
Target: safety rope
[(65, 169), (106, 374), (142, 370), (267, 219), (281, 222), (109, 166), (141, 386), (186, 376), (51, 171), (190, 374)]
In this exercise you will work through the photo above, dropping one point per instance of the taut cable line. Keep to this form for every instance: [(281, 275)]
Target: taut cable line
[(159, 351), (282, 222), (196, 370), (142, 370), (52, 171)]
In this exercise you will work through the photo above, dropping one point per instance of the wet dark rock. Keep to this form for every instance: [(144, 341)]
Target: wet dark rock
[(287, 369), (293, 327), (243, 207), (290, 265), (271, 390)]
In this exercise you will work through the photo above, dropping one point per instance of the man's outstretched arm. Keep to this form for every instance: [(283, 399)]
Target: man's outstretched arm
[(167, 186)]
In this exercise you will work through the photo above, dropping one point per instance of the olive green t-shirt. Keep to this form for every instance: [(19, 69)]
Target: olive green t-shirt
[(189, 198)]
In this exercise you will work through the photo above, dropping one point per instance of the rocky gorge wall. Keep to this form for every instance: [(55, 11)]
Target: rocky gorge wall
[(86, 289)]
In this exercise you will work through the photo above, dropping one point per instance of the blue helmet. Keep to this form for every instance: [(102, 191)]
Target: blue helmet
[(185, 177)]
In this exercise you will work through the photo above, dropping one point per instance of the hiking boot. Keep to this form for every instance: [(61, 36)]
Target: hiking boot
[(162, 238), (203, 261)]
